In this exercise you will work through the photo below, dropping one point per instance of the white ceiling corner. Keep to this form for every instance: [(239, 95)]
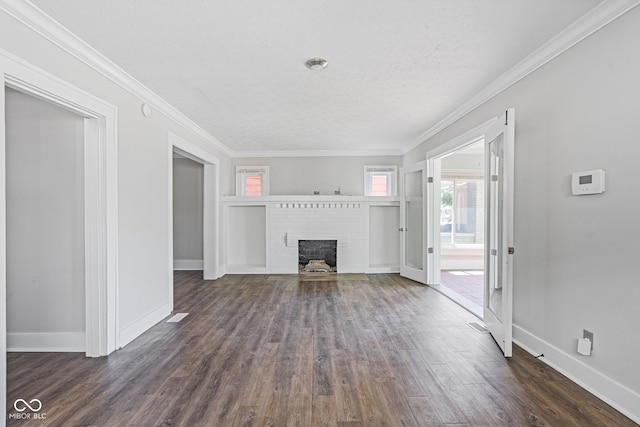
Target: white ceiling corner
[(588, 24), (234, 72), (36, 19)]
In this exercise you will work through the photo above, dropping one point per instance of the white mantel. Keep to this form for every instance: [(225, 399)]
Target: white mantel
[(309, 199), (262, 232)]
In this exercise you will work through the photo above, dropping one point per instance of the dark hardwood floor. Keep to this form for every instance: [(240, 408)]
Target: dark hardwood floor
[(356, 350)]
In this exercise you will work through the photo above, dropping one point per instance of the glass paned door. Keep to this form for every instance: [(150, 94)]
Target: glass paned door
[(499, 140), (413, 222), (494, 272)]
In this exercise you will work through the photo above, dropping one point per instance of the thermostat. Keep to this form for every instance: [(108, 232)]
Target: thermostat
[(587, 182)]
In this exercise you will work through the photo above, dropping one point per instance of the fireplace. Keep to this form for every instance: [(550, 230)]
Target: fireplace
[(317, 256)]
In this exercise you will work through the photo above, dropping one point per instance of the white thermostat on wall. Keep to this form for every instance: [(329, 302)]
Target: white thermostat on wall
[(587, 182)]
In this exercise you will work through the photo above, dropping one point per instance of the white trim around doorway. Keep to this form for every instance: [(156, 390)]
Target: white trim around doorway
[(470, 137), (101, 202), (211, 218)]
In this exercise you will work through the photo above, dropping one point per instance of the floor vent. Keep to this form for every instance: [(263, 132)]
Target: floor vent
[(177, 317), (478, 327)]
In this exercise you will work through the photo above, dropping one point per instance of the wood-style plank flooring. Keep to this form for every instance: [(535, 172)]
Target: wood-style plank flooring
[(357, 350)]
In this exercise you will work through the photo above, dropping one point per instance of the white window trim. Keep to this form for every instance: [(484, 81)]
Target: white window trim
[(390, 170), (243, 171)]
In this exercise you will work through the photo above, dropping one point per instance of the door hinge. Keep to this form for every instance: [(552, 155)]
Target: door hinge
[(494, 178), (400, 229), (430, 180), (511, 250), (429, 250), (494, 252)]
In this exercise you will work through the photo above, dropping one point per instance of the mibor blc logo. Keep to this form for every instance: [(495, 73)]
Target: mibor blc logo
[(27, 410)]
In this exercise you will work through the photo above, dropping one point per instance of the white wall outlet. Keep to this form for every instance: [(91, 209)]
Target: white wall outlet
[(589, 336)]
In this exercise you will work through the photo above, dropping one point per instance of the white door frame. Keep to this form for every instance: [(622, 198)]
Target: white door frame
[(101, 202), (419, 275), (211, 220), (433, 165)]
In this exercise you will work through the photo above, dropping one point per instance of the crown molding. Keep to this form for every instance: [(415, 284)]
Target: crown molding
[(318, 153), (36, 19), (43, 24), (40, 22), (598, 17)]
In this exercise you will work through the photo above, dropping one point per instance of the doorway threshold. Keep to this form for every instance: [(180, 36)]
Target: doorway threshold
[(465, 303), (177, 317)]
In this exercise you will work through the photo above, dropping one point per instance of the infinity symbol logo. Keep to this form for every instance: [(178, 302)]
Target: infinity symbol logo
[(24, 405)]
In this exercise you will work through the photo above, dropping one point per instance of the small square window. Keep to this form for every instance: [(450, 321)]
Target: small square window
[(252, 181), (379, 185), (380, 180), (253, 185)]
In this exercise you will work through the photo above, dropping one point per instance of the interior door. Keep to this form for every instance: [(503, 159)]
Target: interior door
[(413, 230), (498, 298)]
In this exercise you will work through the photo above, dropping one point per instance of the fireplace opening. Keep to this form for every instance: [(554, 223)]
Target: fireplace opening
[(317, 256)]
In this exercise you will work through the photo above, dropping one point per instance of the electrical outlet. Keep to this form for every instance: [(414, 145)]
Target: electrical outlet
[(588, 334)]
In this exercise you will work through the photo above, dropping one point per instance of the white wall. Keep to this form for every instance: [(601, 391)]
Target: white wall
[(45, 226), (188, 182), (145, 285), (303, 175), (575, 261), (469, 163)]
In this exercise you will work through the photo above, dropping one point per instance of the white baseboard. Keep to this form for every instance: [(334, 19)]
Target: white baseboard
[(56, 342), (612, 392), (139, 327), (382, 269), (247, 269), (188, 264)]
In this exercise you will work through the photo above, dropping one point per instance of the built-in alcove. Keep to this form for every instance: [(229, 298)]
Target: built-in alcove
[(317, 256), (246, 237), (384, 238)]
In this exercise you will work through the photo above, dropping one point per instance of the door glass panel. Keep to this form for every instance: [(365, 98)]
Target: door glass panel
[(496, 251), (468, 211), (461, 211), (446, 212), (413, 212)]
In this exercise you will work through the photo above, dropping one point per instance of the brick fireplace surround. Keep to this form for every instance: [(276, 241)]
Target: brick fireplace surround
[(345, 219)]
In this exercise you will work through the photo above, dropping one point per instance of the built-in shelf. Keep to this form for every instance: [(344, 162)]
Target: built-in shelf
[(246, 243), (384, 240)]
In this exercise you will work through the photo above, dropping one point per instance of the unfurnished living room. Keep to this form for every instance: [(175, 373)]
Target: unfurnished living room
[(319, 213)]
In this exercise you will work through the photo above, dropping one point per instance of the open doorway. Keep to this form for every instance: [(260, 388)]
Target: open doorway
[(45, 226), (188, 210), (460, 207), (194, 177), (100, 205)]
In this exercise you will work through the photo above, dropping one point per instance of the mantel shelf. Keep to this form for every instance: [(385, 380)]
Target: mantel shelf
[(309, 198)]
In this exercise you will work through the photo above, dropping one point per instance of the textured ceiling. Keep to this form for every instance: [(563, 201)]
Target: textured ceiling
[(236, 68)]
